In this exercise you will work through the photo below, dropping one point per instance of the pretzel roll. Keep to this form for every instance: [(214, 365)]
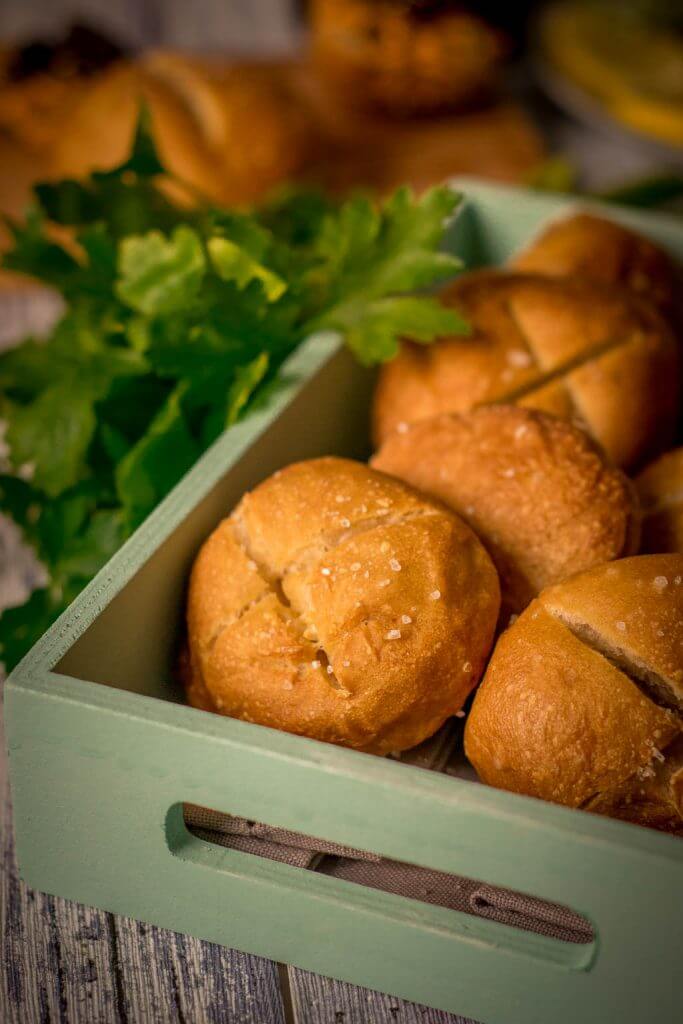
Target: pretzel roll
[(582, 702), (660, 487), (571, 347), (536, 490), (338, 603), (584, 245)]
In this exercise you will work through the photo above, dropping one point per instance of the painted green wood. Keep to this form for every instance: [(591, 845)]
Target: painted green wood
[(98, 772)]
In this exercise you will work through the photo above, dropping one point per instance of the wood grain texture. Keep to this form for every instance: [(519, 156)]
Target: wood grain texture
[(63, 963), (317, 1000)]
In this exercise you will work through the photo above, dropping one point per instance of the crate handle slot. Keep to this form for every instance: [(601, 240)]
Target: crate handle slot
[(465, 907)]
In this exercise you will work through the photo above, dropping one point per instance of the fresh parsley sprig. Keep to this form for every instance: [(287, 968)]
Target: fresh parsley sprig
[(176, 319)]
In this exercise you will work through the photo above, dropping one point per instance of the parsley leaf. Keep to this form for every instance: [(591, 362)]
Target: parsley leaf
[(158, 274), (177, 324)]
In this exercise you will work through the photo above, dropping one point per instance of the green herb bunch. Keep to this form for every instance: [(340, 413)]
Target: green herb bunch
[(176, 321)]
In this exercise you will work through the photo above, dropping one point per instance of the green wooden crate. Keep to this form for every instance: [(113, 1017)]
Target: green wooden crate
[(103, 753)]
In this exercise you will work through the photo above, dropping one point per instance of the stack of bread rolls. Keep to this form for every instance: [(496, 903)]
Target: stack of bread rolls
[(495, 535)]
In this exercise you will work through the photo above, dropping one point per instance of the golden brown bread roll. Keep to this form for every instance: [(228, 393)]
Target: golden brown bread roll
[(201, 116), (536, 490), (584, 245), (582, 702), (340, 604), (569, 347), (660, 487), (404, 58)]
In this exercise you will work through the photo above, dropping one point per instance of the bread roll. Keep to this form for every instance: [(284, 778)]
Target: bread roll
[(584, 245), (536, 490), (340, 604), (660, 487), (582, 702), (569, 347), (404, 58), (202, 115)]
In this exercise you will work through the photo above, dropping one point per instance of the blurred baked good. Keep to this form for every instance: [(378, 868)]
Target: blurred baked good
[(571, 347), (660, 487), (584, 245), (231, 132), (536, 490), (337, 603), (405, 56), (582, 702), (41, 81)]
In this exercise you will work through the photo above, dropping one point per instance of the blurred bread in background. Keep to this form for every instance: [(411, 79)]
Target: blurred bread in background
[(571, 347), (235, 129), (405, 58), (230, 132), (660, 487)]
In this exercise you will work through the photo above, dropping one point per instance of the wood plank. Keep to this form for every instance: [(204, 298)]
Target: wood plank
[(171, 977), (64, 963), (317, 1000)]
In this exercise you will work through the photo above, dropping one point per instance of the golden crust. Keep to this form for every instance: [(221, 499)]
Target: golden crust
[(570, 709), (537, 492), (567, 346), (584, 245), (201, 114), (660, 487), (352, 572), (635, 608)]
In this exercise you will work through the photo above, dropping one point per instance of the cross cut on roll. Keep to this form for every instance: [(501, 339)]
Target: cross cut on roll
[(543, 499), (582, 701), (340, 604), (575, 348)]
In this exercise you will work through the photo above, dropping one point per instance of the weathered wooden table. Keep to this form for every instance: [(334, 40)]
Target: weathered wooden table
[(63, 963)]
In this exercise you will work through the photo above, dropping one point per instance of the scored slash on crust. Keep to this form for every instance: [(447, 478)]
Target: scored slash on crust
[(306, 559)]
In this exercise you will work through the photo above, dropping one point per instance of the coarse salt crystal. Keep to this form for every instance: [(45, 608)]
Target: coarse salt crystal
[(251, 565), (355, 566), (366, 574), (330, 670), (518, 357), (467, 666), (345, 523), (384, 583), (346, 663), (435, 595), (395, 565), (325, 571), (521, 430), (384, 546), (660, 632), (658, 755), (315, 664), (509, 473), (402, 428), (660, 583), (393, 634), (621, 626), (339, 498), (406, 620), (459, 714), (677, 580)]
